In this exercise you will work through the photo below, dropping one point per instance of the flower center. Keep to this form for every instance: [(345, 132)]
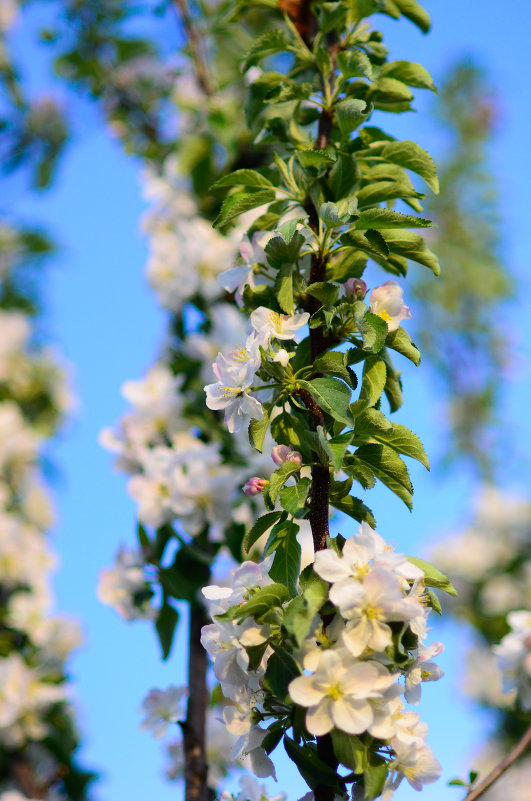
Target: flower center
[(385, 316)]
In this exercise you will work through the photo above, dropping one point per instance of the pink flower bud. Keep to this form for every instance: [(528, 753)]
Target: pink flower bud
[(355, 289), (285, 453), (255, 486)]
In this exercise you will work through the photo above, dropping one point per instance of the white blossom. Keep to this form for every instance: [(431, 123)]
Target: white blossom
[(338, 693), (231, 392), (269, 324), (423, 669), (387, 301), (514, 655), (162, 707)]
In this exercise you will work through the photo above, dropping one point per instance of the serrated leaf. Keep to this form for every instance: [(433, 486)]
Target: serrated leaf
[(413, 157), (379, 191), (284, 288), (416, 13), (240, 202), (351, 113), (344, 177), (293, 498), (333, 397), (374, 331), (271, 42), (332, 363), (354, 64), (315, 158), (372, 420), (400, 341), (411, 246), (434, 577), (262, 525), (279, 478), (389, 468), (409, 72), (373, 381), (374, 777), (243, 178), (404, 441), (387, 218), (355, 508), (286, 565), (389, 90), (263, 600), (324, 291), (258, 430)]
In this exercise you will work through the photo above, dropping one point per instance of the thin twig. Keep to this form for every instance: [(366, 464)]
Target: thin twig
[(518, 751), (196, 45)]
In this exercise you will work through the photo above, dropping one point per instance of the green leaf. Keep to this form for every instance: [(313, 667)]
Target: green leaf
[(344, 177), (280, 252), (240, 202), (355, 508), (287, 560), (165, 626), (374, 332), (416, 13), (284, 288), (387, 218), (258, 430), (271, 42), (409, 72), (350, 750), (373, 381), (274, 735), (333, 363), (411, 246), (389, 90), (354, 64), (413, 157), (374, 778), (279, 478), (263, 600), (338, 447), (393, 391), (400, 341), (457, 783), (379, 191), (243, 178), (372, 420), (332, 395), (434, 602), (312, 769), (315, 158), (281, 669), (324, 291), (293, 498), (389, 468), (365, 8), (404, 441), (433, 577), (262, 525), (351, 113)]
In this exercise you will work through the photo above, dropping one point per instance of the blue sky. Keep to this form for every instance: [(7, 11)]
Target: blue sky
[(105, 318)]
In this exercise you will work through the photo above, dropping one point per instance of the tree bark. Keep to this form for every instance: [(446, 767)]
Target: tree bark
[(194, 727)]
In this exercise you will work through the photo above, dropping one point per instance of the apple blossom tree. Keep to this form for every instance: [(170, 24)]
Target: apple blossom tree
[(281, 217)]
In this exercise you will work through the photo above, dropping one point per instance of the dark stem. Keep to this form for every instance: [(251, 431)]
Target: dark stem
[(194, 727), (196, 45), (519, 749)]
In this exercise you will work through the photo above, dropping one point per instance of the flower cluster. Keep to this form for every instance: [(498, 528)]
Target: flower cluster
[(514, 654), (350, 643), (34, 706)]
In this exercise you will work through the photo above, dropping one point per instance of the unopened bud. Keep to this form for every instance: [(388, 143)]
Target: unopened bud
[(255, 486), (285, 453), (355, 289)]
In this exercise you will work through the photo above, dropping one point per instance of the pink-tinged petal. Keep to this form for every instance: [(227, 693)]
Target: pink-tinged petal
[(351, 715), (319, 718), (303, 692), (330, 566)]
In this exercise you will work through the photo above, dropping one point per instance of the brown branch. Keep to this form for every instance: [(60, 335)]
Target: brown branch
[(519, 750), (196, 45), (194, 727), (300, 13)]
